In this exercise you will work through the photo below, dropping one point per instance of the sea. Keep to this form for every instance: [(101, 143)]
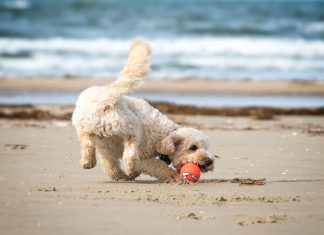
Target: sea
[(200, 39)]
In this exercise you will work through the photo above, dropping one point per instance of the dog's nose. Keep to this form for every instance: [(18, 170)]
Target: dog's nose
[(209, 162)]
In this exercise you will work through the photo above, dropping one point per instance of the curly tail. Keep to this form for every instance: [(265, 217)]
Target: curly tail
[(130, 78)]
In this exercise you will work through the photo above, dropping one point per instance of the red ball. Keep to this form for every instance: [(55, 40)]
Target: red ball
[(190, 171)]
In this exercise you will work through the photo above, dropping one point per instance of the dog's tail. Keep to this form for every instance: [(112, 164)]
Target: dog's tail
[(130, 78)]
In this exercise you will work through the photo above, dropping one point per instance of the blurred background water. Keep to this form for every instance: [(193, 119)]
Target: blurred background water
[(203, 100), (204, 39)]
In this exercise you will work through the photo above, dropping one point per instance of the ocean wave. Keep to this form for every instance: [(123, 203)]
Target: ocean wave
[(16, 5), (211, 57), (180, 45), (315, 27)]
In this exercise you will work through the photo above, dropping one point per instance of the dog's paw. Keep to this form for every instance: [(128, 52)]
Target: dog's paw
[(121, 178), (87, 164), (133, 175), (175, 177), (119, 175)]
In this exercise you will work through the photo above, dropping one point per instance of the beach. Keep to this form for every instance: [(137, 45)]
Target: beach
[(268, 176), (248, 74), (45, 191), (182, 86)]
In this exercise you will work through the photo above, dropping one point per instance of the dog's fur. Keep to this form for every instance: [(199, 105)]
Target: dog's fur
[(116, 126)]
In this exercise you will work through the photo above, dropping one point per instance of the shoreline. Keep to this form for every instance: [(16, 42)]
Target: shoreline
[(64, 112), (193, 86)]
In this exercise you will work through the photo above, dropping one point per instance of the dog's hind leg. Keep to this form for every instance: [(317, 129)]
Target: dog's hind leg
[(110, 163), (112, 169), (131, 137), (130, 156), (88, 150)]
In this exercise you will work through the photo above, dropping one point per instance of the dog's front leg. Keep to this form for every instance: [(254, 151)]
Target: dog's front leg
[(130, 156), (88, 150), (158, 169)]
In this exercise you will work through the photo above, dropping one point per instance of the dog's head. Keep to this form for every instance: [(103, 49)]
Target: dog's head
[(187, 145)]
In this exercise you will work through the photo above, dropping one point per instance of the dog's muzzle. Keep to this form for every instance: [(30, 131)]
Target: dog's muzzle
[(207, 166), (208, 162)]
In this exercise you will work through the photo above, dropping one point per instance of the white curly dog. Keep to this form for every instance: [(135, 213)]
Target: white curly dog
[(115, 126)]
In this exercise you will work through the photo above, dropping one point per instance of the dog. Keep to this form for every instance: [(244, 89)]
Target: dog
[(117, 127)]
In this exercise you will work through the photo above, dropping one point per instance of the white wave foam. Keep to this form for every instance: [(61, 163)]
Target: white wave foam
[(178, 57), (207, 45), (90, 46), (16, 5), (240, 46), (293, 64)]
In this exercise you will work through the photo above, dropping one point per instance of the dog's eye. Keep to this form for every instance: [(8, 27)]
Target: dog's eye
[(193, 148)]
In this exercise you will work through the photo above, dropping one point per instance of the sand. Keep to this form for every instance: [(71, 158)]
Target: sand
[(172, 86), (44, 191), (268, 179)]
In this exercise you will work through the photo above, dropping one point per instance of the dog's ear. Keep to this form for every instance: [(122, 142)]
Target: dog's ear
[(169, 144)]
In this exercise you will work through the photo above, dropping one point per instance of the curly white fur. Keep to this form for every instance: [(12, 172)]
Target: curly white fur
[(116, 126)]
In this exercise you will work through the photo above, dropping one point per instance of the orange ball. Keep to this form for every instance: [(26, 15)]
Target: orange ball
[(190, 171)]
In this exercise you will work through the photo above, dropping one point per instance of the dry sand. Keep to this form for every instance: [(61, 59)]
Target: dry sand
[(44, 191), (173, 86)]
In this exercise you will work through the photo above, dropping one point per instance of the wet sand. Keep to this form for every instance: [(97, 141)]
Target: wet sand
[(64, 112), (44, 191)]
